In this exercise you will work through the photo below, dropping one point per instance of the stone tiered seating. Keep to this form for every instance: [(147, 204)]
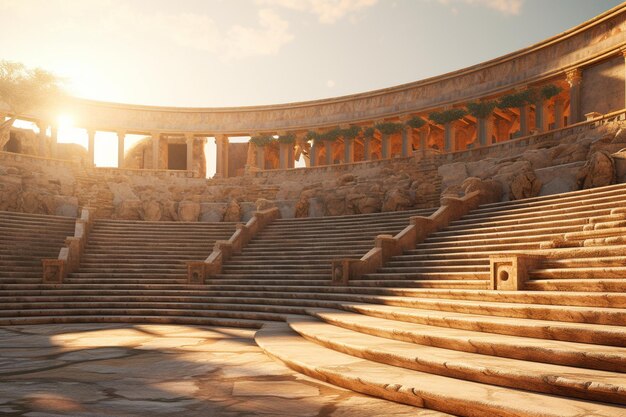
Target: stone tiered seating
[(424, 330), (25, 239)]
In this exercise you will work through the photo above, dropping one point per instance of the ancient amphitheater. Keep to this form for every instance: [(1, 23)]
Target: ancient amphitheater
[(442, 255)]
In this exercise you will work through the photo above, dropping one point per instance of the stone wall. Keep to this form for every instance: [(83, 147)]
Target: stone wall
[(603, 87)]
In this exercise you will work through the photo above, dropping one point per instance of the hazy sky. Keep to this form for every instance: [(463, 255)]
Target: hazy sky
[(245, 52)]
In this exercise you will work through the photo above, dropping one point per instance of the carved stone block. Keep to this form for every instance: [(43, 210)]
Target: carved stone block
[(510, 272), (195, 273)]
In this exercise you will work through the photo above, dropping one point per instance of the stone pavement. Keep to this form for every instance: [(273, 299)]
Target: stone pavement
[(161, 370)]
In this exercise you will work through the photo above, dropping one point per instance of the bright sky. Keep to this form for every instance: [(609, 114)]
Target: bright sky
[(208, 53)]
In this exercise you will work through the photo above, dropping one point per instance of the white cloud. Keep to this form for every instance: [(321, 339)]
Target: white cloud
[(508, 7), (327, 11)]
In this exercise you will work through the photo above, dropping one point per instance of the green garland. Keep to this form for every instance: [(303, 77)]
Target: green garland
[(312, 135), (331, 135), (351, 132), (481, 109), (261, 140), (389, 128), (415, 122), (447, 116), (289, 138), (369, 132), (549, 91), (520, 99)]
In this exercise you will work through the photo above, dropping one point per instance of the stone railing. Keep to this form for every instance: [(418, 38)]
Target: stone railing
[(526, 141), (56, 270), (197, 272), (161, 173), (387, 246), (21, 157)]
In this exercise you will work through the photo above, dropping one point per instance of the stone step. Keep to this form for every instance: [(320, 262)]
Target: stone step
[(479, 228), (437, 237), (525, 238), (270, 275), (443, 283), (513, 373), (414, 275), (527, 327), (603, 261), (604, 272), (400, 261), (140, 319), (559, 219), (304, 243), (557, 352), (40, 217), (441, 269), (445, 394), (110, 270), (360, 218), (425, 248), (597, 285)]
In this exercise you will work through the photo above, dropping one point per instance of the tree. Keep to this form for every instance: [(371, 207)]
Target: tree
[(22, 90)]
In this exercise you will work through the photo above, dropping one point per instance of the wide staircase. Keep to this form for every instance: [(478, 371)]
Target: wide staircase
[(26, 239), (424, 330)]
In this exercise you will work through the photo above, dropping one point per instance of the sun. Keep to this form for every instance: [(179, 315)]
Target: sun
[(65, 121)]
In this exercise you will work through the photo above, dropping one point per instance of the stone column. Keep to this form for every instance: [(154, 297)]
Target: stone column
[(91, 141), (283, 155), (348, 150), (291, 163), (623, 51), (384, 147), (189, 139), (54, 134), (260, 157), (574, 79), (366, 149), (559, 106), (43, 127), (313, 154), (156, 148), (407, 133), (423, 138), (120, 148), (329, 152), (541, 121), (221, 157), (523, 120), (449, 144)]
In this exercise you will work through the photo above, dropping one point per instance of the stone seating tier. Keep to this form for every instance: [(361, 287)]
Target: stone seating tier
[(423, 330)]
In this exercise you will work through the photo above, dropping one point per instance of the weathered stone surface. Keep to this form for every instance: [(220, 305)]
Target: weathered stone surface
[(151, 211), (525, 185), (129, 210), (491, 190), (598, 171), (188, 211), (302, 208), (212, 212), (233, 212), (397, 199)]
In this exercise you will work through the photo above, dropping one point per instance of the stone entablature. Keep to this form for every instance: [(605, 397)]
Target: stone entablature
[(595, 40)]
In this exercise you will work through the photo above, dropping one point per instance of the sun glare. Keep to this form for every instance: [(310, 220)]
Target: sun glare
[(65, 121)]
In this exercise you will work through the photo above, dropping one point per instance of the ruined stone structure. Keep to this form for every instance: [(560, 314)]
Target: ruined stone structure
[(472, 269)]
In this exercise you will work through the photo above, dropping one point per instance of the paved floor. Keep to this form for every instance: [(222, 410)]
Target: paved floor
[(158, 370)]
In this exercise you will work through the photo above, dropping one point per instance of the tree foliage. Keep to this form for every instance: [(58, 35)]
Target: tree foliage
[(261, 140), (22, 90), (369, 132), (312, 135), (289, 138), (332, 135)]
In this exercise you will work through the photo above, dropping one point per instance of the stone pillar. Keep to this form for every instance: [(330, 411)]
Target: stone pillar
[(406, 141), (623, 51), (54, 137), (120, 149), (91, 141), (423, 137), (523, 121), (156, 148), (348, 150), (313, 154), (189, 139), (43, 127), (574, 79), (559, 106), (221, 157), (260, 157), (366, 149), (541, 119), (449, 137), (291, 163), (283, 155), (385, 151), (328, 145)]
